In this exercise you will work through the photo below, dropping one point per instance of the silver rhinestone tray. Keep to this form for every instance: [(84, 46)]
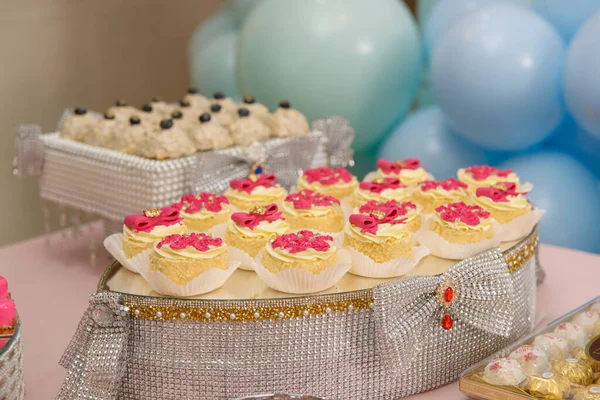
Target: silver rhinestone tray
[(383, 342)]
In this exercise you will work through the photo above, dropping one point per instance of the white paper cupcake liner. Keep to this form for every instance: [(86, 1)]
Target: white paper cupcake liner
[(114, 245), (299, 281), (206, 282), (440, 247), (346, 207), (362, 265), (246, 261), (521, 226), (219, 230)]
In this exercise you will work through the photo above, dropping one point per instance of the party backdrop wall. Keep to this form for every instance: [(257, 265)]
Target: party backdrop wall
[(56, 53)]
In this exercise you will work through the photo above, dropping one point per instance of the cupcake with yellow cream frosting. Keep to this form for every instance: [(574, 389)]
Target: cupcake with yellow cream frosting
[(248, 232), (380, 244), (407, 210), (301, 262), (484, 175), (185, 265), (409, 171), (458, 231), (509, 207), (432, 194), (141, 231), (312, 210), (337, 182), (380, 189), (205, 212), (259, 189)]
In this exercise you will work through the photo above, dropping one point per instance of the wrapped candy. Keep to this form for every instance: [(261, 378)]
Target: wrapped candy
[(533, 361), (587, 320), (589, 393), (548, 386), (574, 371), (504, 371), (582, 356), (555, 347), (572, 333)]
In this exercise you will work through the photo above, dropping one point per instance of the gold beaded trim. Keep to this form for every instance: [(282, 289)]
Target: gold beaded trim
[(518, 259), (165, 313)]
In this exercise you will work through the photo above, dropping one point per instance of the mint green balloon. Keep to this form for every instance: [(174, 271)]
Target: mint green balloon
[(335, 57), (242, 8)]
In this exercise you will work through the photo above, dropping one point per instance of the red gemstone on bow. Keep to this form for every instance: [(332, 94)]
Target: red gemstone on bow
[(449, 295), (447, 322)]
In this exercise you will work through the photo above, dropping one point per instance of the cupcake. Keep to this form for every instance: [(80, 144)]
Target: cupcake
[(168, 140), (407, 210), (227, 105), (458, 231), (503, 372), (79, 125), (312, 210), (380, 189), (555, 347), (140, 232), (248, 128), (208, 135), (337, 182), (258, 110), (572, 333), (432, 194), (220, 117), (409, 171), (204, 212), (258, 189), (484, 175), (288, 122), (123, 111), (301, 262), (248, 232), (198, 103)]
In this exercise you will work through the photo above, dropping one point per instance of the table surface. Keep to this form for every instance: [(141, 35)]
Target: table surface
[(56, 270)]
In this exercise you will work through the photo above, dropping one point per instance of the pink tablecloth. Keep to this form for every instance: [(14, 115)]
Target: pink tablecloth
[(51, 285)]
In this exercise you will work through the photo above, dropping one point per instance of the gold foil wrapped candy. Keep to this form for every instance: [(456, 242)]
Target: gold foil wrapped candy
[(582, 356), (574, 371), (548, 386), (589, 393)]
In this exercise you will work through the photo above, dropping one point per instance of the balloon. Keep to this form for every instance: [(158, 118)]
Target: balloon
[(495, 73), (568, 193), (424, 8), (213, 69), (426, 135), (334, 57), (224, 21), (566, 16), (582, 81), (242, 8)]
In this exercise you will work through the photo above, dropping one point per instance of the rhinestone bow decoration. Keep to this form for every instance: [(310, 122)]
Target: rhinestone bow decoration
[(286, 157), (408, 312), (339, 136), (96, 357)]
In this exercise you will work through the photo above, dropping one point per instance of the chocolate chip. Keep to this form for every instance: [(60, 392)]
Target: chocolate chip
[(243, 112), (166, 124), (80, 111), (147, 108), (204, 117), (120, 103), (184, 103), (249, 100), (215, 108), (192, 90), (134, 120), (284, 104), (109, 115), (219, 95), (177, 114)]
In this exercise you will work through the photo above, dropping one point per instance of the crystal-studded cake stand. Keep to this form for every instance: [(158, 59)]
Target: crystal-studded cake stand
[(362, 339)]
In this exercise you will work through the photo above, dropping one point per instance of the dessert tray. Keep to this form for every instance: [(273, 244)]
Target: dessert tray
[(362, 339)]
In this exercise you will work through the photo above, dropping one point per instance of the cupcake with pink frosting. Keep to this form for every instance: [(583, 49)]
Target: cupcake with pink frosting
[(380, 189), (432, 194), (8, 312), (409, 171), (484, 175), (259, 189)]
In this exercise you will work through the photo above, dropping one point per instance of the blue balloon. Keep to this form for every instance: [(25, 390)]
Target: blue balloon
[(566, 16), (568, 192), (242, 8), (426, 135), (582, 76), (213, 69), (224, 21), (496, 75), (334, 57)]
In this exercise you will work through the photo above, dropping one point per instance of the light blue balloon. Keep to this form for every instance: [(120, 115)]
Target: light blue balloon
[(334, 57), (566, 16), (213, 69), (223, 21), (582, 76), (496, 75), (426, 135), (568, 192), (242, 8), (424, 8)]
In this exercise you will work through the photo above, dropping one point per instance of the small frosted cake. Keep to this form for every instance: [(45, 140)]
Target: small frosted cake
[(258, 189), (250, 231), (196, 101), (227, 105), (379, 235), (484, 175), (407, 210), (409, 171), (140, 232), (502, 201), (380, 189), (304, 250), (181, 257), (555, 347), (462, 223), (572, 333), (312, 210), (504, 371), (337, 182), (168, 140), (203, 211), (248, 128), (79, 125), (432, 194), (288, 122)]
